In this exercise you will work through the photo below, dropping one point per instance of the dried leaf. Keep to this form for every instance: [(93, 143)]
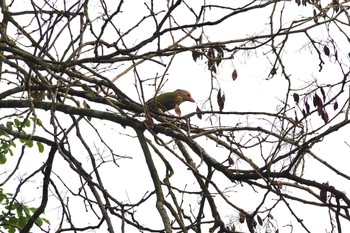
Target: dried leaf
[(307, 107), (219, 50), (211, 54), (199, 113), (335, 105), (317, 101), (218, 59), (320, 111), (253, 222), (335, 6), (241, 217), (273, 71), (315, 17), (314, 101), (230, 161), (326, 50), (233, 228), (177, 110), (323, 94), (304, 113), (325, 117), (279, 185), (220, 55), (260, 221), (49, 97), (211, 57), (270, 216), (211, 66), (234, 75), (221, 100), (195, 55), (323, 193), (85, 105), (149, 121), (97, 88), (296, 97)]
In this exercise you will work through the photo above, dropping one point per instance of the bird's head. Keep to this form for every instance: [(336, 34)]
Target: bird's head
[(183, 95)]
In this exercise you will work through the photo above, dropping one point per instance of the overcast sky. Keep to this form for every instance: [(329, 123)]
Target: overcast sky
[(250, 92)]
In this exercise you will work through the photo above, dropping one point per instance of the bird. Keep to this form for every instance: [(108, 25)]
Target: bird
[(169, 100)]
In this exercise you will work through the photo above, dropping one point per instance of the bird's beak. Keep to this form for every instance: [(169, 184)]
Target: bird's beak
[(191, 100)]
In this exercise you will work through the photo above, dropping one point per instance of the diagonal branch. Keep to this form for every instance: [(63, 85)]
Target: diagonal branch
[(47, 173), (156, 181)]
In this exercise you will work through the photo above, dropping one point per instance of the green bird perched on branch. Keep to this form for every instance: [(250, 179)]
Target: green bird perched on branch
[(169, 100)]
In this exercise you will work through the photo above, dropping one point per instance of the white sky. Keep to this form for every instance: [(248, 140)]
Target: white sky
[(250, 92)]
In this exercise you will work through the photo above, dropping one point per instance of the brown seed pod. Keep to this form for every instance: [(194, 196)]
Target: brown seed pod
[(241, 217)]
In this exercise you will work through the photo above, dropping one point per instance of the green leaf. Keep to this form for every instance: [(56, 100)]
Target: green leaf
[(37, 121), (9, 125), (46, 220), (40, 147), (12, 143), (26, 209), (2, 158), (4, 146), (30, 143), (17, 122), (22, 222), (16, 205), (27, 123), (13, 220), (91, 94), (9, 194), (2, 197), (39, 222), (12, 230), (19, 212)]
